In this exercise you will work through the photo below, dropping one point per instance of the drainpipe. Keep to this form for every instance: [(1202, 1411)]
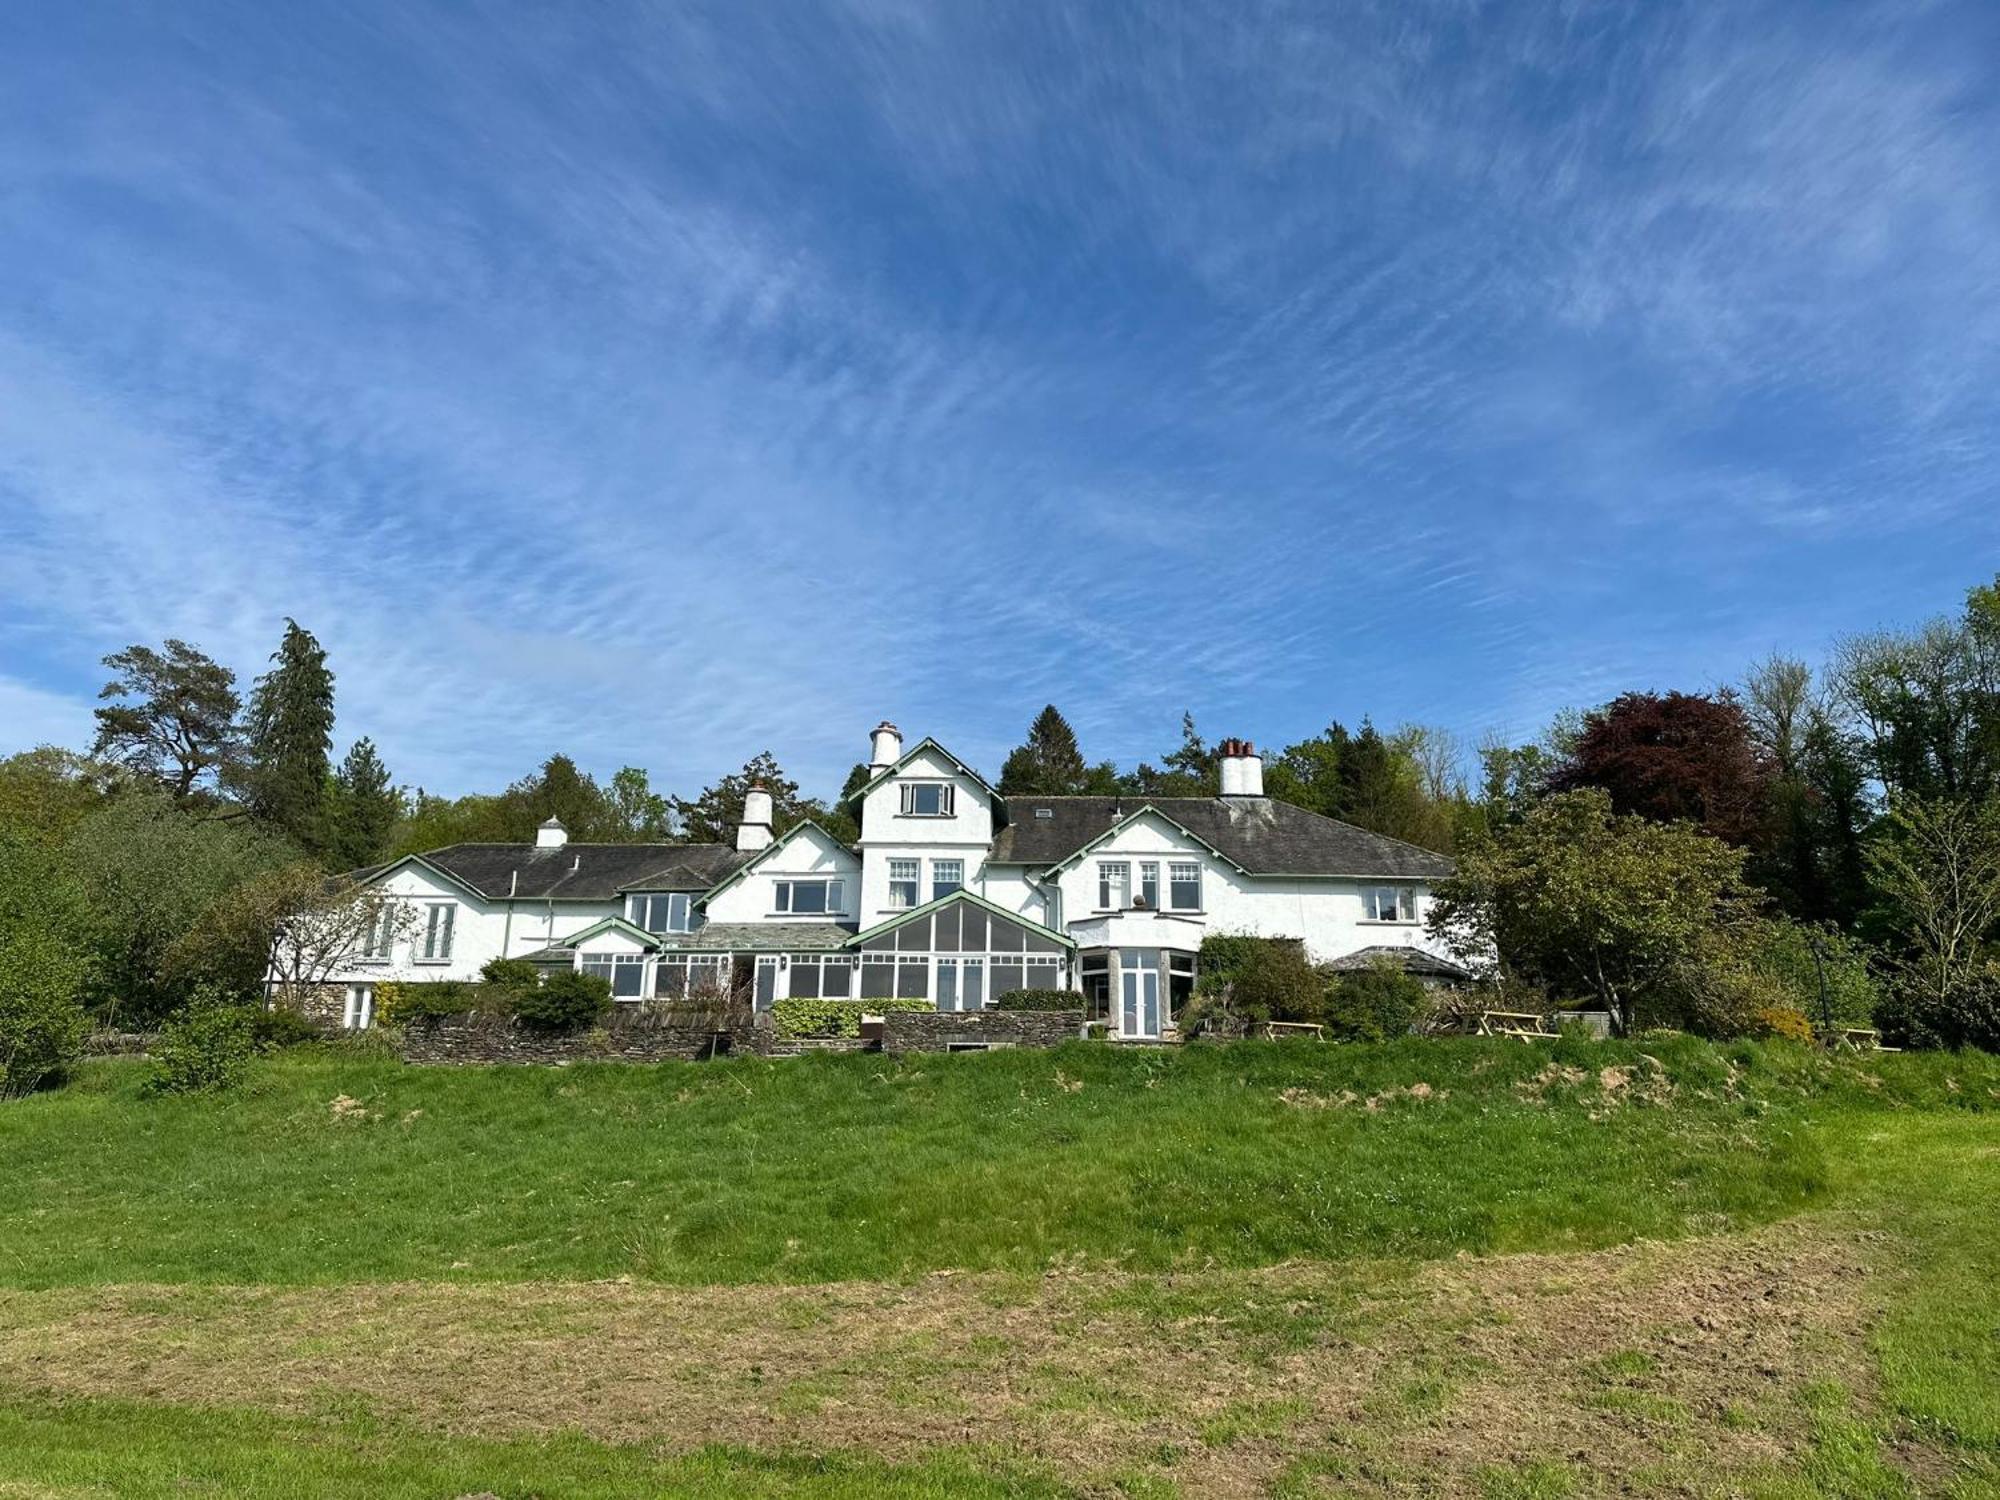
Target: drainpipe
[(507, 931)]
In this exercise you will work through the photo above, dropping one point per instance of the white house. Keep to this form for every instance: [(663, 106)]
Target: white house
[(953, 894)]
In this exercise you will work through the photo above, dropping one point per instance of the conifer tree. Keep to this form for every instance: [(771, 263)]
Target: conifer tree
[(291, 740), (1049, 764), (362, 809)]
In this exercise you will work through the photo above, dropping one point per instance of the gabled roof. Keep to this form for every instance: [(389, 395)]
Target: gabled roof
[(926, 743), (756, 858), (1259, 835), (1145, 810), (969, 897), (611, 924), (576, 872)]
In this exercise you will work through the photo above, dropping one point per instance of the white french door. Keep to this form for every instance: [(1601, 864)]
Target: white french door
[(1139, 992), (961, 984)]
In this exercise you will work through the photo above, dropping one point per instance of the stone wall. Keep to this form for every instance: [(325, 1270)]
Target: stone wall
[(942, 1030), (501, 1039)]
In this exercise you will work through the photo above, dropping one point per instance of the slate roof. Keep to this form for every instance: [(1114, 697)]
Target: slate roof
[(1410, 960), (769, 937), (1262, 834), (584, 872)]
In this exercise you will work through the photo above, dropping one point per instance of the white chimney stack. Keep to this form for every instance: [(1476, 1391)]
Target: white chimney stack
[(1242, 769), (754, 832), (551, 835), (887, 747)]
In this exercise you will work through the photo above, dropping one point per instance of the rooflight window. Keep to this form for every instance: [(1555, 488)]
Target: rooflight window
[(927, 799), (1045, 812)]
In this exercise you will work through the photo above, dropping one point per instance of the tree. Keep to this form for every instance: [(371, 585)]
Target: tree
[(362, 808), (1938, 875), (711, 818), (1583, 901), (1807, 849), (45, 961), (150, 870), (1672, 757), (309, 926), (290, 737), (641, 814), (177, 723), (1049, 764), (45, 792)]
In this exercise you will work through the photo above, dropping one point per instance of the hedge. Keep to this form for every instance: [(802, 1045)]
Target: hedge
[(1041, 1000), (793, 1018)]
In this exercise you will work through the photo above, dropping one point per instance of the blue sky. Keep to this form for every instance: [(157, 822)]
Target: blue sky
[(661, 384)]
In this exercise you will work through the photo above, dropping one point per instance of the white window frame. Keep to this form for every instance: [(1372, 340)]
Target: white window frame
[(432, 950), (1174, 878), (1107, 880), (1402, 905), (836, 898), (680, 910), (947, 799), (1148, 887), (940, 888), (914, 880), (358, 1014), (379, 942), (694, 967), (608, 965)]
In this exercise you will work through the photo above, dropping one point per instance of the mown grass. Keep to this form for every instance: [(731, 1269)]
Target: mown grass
[(834, 1168), (141, 1451)]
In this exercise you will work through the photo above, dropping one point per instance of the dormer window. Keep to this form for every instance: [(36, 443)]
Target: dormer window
[(802, 898), (671, 912), (927, 799)]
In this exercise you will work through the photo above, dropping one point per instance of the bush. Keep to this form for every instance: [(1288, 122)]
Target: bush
[(796, 1018), (204, 1049), (1375, 1004), (511, 974), (569, 1000), (1040, 1000), (1781, 1021), (1274, 982), (1967, 1017), (431, 1000), (42, 1019), (280, 1027)]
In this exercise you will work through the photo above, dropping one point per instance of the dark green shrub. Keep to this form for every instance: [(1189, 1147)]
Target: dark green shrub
[(1967, 1017), (42, 1019), (795, 1018), (569, 1000), (203, 1049), (1041, 1000), (1274, 982), (1374, 1004), (511, 974), (280, 1027)]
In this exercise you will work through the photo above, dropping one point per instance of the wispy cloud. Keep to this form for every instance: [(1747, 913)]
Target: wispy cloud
[(666, 386)]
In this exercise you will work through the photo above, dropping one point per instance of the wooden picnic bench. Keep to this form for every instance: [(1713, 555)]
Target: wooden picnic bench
[(1860, 1039), (1275, 1029), (1522, 1025)]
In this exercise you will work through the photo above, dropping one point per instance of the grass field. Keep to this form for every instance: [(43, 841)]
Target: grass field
[(1423, 1268)]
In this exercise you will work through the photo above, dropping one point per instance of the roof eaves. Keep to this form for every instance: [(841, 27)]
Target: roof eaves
[(765, 853), (1128, 820), (911, 754)]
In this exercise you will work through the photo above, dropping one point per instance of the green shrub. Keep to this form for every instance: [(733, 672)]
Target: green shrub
[(511, 974), (1040, 1000), (1275, 982), (796, 1018), (42, 1019), (279, 1027), (1967, 1017), (1375, 1004), (203, 1049), (409, 1002), (569, 1000)]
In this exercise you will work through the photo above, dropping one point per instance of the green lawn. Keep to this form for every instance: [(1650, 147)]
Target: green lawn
[(1697, 1271), (826, 1168)]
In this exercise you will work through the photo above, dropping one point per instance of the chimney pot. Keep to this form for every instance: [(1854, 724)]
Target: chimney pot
[(1242, 769), (551, 835), (754, 831), (885, 746)]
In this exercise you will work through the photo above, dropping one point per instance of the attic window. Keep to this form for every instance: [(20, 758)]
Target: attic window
[(927, 799)]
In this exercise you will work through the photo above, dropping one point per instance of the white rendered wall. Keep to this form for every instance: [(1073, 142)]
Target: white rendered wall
[(810, 852), (887, 833)]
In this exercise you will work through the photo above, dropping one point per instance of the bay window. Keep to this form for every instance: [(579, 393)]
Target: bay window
[(1149, 885)]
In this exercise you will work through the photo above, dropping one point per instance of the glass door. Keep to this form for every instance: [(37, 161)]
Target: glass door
[(767, 982), (947, 984), (972, 988), (1139, 992)]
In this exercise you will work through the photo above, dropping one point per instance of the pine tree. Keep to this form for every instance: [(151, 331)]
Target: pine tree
[(362, 809), (178, 725), (291, 740), (712, 817), (1049, 764)]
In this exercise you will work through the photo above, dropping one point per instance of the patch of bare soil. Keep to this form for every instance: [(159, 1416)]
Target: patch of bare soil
[(1641, 1362)]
